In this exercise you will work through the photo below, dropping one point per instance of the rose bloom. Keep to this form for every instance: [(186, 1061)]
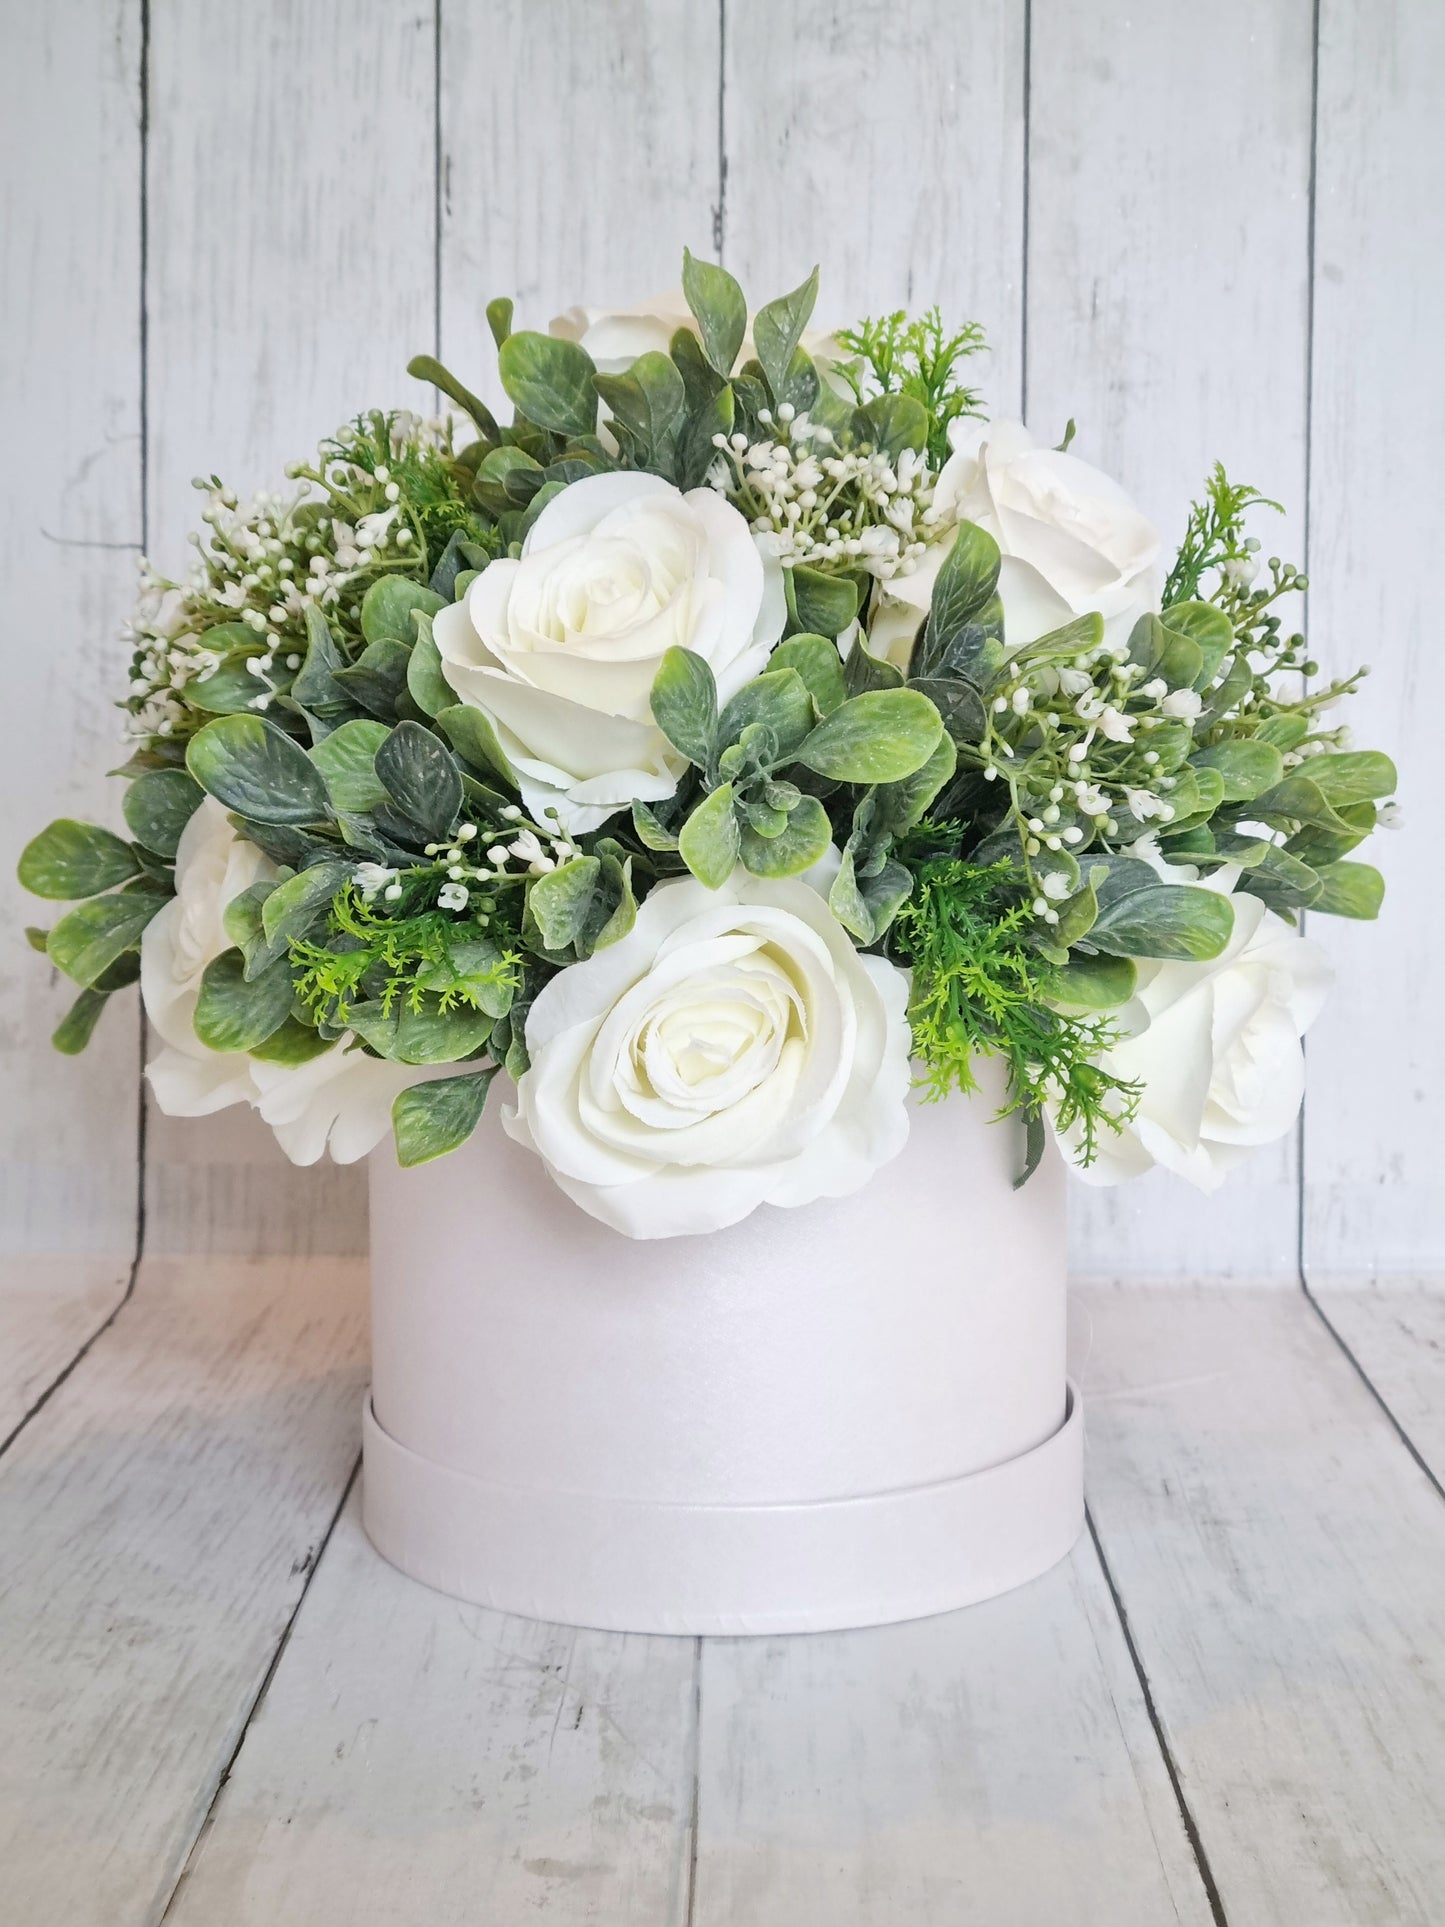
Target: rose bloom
[(615, 337), (732, 1050), (559, 648), (1216, 1047), (338, 1101), (1071, 541)]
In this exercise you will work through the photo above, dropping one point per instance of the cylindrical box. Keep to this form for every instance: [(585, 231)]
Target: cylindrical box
[(839, 1415)]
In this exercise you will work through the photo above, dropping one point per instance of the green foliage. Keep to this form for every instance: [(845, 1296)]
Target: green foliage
[(436, 1117), (896, 355), (1215, 534), (981, 989), (70, 860), (395, 962)]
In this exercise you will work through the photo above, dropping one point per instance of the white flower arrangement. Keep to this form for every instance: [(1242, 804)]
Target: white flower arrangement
[(746, 734)]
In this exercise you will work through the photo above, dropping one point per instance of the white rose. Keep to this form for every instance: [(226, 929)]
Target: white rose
[(732, 1050), (340, 1100), (1072, 543), (559, 648), (615, 337), (1217, 1050)]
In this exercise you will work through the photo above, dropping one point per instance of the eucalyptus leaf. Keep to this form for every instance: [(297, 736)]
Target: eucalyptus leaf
[(253, 767), (158, 806), (428, 368), (684, 705), (1095, 983), (232, 688), (778, 328), (376, 681), (429, 1035), (720, 310), (292, 1044), (389, 606), (559, 900), (316, 688), (234, 1013), (803, 839), (652, 832), (779, 698), (959, 705), (1350, 890), (1209, 629), (711, 842), (902, 804), (346, 759), (1171, 920), (1352, 776), (70, 860), (293, 906), (817, 661), (421, 778), (89, 939), (473, 736), (550, 380), (1246, 766), (76, 1027), (896, 422), (819, 604), (876, 738), (436, 1117), (965, 583)]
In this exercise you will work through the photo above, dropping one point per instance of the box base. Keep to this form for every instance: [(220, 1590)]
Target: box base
[(621, 1565)]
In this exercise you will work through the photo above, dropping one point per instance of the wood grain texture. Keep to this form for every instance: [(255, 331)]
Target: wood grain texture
[(1377, 1058), (70, 530), (158, 1519), (291, 278), (885, 143), (579, 157), (1282, 1561), (1168, 315), (1398, 1338), (49, 1308), (984, 1766), (417, 1759)]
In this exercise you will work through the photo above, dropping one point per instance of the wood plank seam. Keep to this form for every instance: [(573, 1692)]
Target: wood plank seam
[(256, 1704), (695, 1814), (1186, 1815)]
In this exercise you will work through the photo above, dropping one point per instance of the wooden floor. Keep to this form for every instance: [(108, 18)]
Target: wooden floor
[(218, 1707)]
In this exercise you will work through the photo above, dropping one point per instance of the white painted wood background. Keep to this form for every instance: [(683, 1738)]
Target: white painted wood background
[(1199, 232)]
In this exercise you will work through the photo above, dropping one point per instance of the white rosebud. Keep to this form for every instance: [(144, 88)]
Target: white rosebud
[(1185, 704)]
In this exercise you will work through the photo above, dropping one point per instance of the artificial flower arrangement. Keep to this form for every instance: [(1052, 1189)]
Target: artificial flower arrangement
[(744, 735)]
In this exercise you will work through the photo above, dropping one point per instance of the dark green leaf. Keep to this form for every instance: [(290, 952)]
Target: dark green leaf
[(964, 585), (89, 939), (499, 318), (316, 688), (550, 380), (1172, 920), (1350, 890), (75, 1028), (427, 368), (235, 1014), (70, 860), (1246, 766), (473, 736), (421, 778), (819, 604), (389, 605), (958, 703), (430, 1035), (253, 767), (376, 681), (1209, 629), (896, 422), (721, 312), (778, 328), (293, 906), (292, 1043), (158, 806), (1036, 1140)]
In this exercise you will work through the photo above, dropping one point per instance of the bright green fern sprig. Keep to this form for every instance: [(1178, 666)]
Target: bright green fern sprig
[(898, 356)]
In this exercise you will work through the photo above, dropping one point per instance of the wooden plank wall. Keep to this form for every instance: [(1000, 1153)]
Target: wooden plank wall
[(1197, 237)]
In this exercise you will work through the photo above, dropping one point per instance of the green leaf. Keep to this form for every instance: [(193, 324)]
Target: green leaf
[(1083, 633), (866, 906), (88, 940), (376, 681), (560, 899), (473, 736), (711, 842), (1209, 629), (1299, 799), (75, 1028), (897, 422), (1172, 920), (1095, 983), (292, 1043), (684, 705), (1247, 766), (316, 688), (649, 403), (1286, 732), (346, 760), (292, 907), (819, 604), (70, 860), (965, 585), (1352, 776), (158, 806), (421, 778), (433, 1118), (425, 679), (37, 939), (1283, 880), (804, 837), (902, 804), (550, 380), (1181, 661), (877, 738), (1036, 1142), (779, 700), (778, 328), (474, 973), (388, 606), (817, 661), (253, 767), (235, 1014), (430, 1035), (652, 832), (499, 318), (721, 312), (1350, 890), (959, 705), (864, 672), (231, 689), (428, 368)]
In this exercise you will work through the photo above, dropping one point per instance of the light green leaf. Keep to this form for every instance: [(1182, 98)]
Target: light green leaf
[(817, 661), (550, 381), (433, 1118), (232, 689), (1352, 776), (387, 609), (717, 303), (70, 860), (652, 833), (1209, 629), (819, 604), (897, 422), (473, 736), (1350, 890), (430, 1035), (1095, 983), (877, 738), (291, 908), (711, 842), (804, 837), (346, 759), (560, 900), (778, 327), (89, 939), (426, 683), (1172, 920), (779, 700), (158, 806), (421, 778), (234, 1014), (292, 1043), (253, 767), (684, 705), (476, 974), (903, 804), (1247, 766)]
